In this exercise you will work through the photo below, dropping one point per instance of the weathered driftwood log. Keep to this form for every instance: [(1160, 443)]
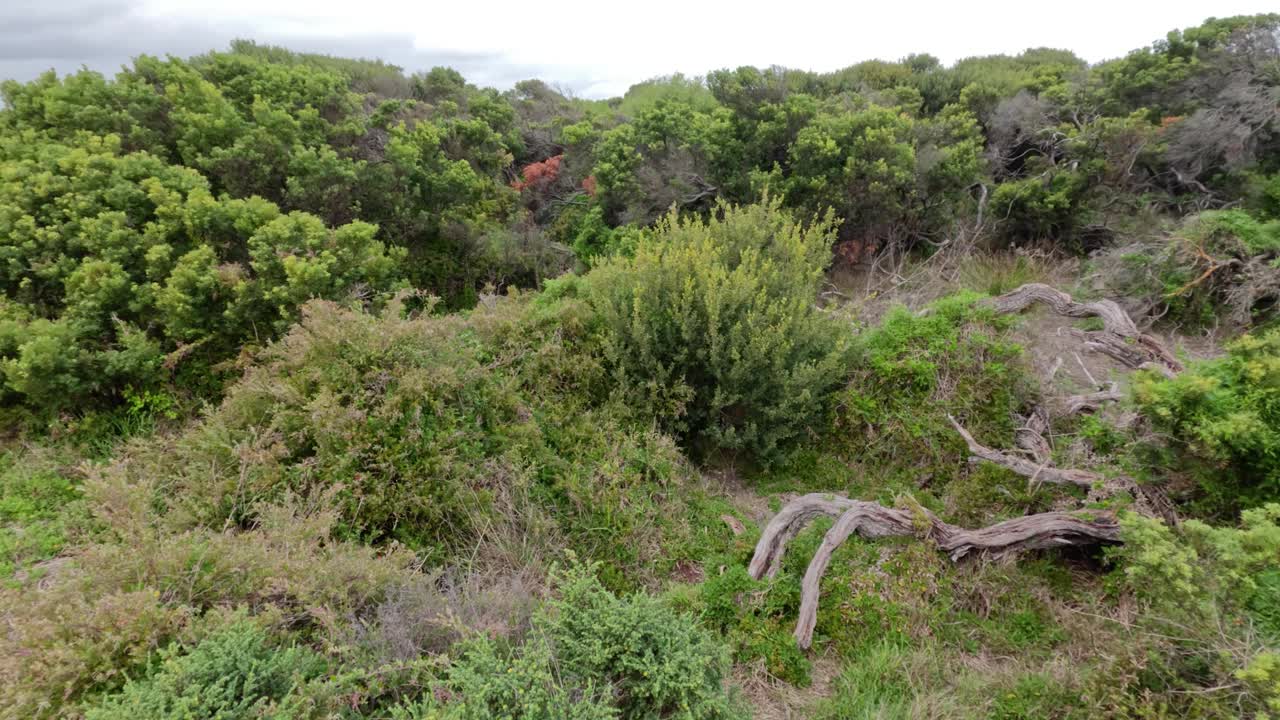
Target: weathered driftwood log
[(1119, 338), (872, 520)]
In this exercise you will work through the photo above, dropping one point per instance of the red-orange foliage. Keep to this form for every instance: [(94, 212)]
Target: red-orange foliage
[(540, 174), (589, 184)]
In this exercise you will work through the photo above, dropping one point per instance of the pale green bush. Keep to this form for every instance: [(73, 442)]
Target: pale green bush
[(1199, 586), (592, 655), (486, 684), (660, 663), (236, 674), (1222, 420), (712, 327)]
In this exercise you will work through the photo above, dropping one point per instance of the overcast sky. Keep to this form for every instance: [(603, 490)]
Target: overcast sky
[(595, 49)]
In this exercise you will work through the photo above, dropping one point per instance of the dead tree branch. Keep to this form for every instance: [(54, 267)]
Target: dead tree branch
[(1119, 338), (873, 521), (1035, 471), (1147, 500), (1031, 436), (1088, 402)]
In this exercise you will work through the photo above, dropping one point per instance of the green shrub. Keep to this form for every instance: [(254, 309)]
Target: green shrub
[(437, 431), (1218, 267), (712, 327), (1103, 437), (592, 654), (756, 618), (117, 259), (1264, 603), (484, 684), (659, 663), (892, 175), (1221, 265), (236, 674), (1048, 206), (1201, 587), (913, 370), (99, 617), (1202, 561), (1227, 230), (1267, 196), (183, 209), (584, 229), (1262, 677), (1222, 420)]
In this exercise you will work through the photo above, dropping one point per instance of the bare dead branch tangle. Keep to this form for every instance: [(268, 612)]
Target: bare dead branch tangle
[(1119, 337), (873, 521)]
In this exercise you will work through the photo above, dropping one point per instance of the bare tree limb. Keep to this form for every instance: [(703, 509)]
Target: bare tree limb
[(872, 520), (1148, 500), (1037, 472), (1031, 436), (1119, 338), (786, 525), (1088, 402)]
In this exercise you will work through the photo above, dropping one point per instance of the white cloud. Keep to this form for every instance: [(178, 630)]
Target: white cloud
[(599, 49)]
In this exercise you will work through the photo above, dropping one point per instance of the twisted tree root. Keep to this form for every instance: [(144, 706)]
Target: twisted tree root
[(872, 520), (1035, 426), (1031, 436), (1119, 338)]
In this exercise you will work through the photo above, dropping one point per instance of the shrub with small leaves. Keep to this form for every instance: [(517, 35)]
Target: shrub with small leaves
[(1262, 675), (659, 663), (591, 655), (486, 684), (1201, 562), (756, 618), (712, 327), (913, 370), (236, 674), (1222, 418), (1202, 587), (1218, 267), (99, 618), (116, 266)]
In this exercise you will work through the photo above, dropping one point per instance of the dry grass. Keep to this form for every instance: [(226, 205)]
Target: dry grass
[(774, 699), (428, 614), (867, 291)]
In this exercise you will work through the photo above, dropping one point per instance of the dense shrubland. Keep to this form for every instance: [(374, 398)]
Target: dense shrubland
[(335, 391)]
